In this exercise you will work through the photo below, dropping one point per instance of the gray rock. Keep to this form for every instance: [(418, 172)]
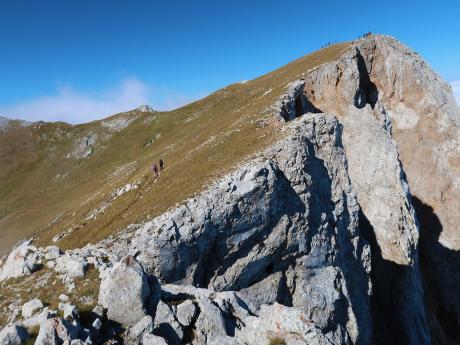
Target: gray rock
[(263, 292), (71, 265), (150, 339), (123, 292), (77, 342), (376, 90), (166, 325), (63, 298), (145, 109), (51, 265), (69, 311), (99, 311), (186, 312), (52, 253), (225, 340), (13, 335), (38, 319), (56, 331), (145, 325), (23, 260), (97, 324), (277, 321), (31, 307), (210, 323)]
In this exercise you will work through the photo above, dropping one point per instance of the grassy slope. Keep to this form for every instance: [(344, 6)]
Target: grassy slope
[(199, 143)]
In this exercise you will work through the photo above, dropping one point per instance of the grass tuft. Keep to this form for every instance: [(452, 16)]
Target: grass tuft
[(277, 341)]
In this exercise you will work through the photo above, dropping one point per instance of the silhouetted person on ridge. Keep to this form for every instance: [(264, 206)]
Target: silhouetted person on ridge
[(161, 165)]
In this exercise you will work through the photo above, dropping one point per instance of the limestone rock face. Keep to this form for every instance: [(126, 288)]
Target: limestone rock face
[(426, 127), (393, 106), (145, 109), (124, 290)]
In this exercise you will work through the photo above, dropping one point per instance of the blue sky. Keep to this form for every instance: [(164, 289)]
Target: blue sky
[(86, 59)]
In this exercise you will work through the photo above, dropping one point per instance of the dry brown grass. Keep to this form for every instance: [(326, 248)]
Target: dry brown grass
[(277, 341)]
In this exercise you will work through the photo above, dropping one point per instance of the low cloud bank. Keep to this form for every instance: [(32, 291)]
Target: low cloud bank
[(74, 106)]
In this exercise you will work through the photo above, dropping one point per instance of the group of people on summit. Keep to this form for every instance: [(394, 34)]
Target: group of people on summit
[(367, 34), (328, 44)]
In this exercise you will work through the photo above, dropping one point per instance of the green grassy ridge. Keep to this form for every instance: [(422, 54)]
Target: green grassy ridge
[(199, 143)]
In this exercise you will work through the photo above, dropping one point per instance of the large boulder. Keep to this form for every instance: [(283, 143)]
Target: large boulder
[(387, 101), (124, 291), (37, 319)]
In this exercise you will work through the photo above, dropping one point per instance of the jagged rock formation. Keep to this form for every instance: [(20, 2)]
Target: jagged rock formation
[(281, 229), (318, 239), (382, 83)]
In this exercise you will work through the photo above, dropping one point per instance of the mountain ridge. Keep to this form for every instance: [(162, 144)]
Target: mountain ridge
[(331, 201)]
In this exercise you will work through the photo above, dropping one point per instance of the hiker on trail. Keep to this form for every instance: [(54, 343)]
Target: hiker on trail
[(155, 169), (161, 165)]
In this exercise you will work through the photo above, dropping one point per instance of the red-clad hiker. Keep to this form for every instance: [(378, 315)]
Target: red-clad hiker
[(155, 169)]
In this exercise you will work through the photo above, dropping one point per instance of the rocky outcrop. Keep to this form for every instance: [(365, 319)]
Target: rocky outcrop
[(392, 105), (144, 108), (282, 228)]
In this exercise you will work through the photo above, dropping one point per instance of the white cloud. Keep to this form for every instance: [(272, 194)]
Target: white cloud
[(73, 106), (456, 87)]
